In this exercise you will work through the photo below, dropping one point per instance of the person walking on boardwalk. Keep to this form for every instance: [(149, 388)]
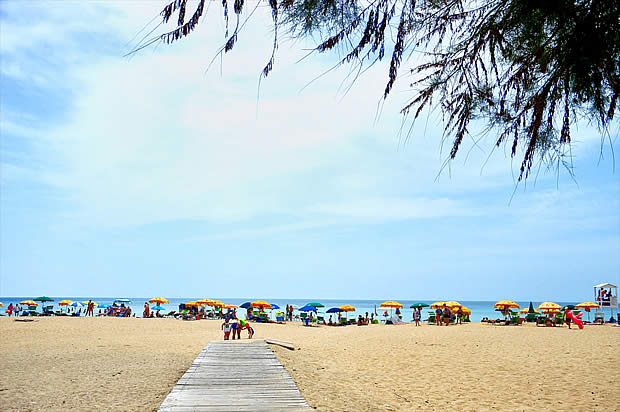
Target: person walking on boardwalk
[(226, 327)]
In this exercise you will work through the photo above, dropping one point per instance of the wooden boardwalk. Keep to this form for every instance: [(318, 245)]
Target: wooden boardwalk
[(235, 376)]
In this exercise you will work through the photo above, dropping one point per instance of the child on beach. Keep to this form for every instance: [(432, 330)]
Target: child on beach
[(250, 330), (226, 327)]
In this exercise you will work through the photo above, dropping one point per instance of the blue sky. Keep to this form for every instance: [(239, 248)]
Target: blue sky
[(152, 176)]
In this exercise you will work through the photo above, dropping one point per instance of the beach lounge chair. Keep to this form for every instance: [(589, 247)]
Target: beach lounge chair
[(559, 319), (431, 317)]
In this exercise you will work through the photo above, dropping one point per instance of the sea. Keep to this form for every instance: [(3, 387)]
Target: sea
[(479, 309)]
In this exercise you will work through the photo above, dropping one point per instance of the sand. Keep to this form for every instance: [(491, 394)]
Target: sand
[(131, 364)]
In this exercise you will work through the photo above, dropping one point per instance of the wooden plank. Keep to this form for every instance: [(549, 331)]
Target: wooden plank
[(235, 376)]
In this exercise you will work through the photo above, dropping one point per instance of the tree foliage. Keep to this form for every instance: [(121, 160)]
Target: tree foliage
[(529, 68)]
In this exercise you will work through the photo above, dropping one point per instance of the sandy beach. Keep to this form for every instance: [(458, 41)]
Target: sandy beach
[(131, 364)]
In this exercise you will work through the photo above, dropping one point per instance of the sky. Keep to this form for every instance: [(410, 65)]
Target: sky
[(162, 174)]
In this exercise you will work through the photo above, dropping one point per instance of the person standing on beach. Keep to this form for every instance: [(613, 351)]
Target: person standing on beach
[(234, 327), (438, 313), (416, 316), (446, 315), (147, 310), (226, 327), (9, 310)]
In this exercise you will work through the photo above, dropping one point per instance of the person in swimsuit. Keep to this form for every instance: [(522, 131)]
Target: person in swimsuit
[(446, 315), (147, 310), (241, 324), (416, 316), (234, 325), (226, 327), (250, 330)]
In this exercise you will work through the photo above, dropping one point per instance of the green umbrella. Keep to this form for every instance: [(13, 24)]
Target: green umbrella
[(315, 305), (43, 299), (419, 305)]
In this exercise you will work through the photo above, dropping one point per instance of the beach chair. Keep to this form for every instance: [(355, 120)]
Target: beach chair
[(48, 310), (432, 317), (320, 319), (303, 316), (559, 319)]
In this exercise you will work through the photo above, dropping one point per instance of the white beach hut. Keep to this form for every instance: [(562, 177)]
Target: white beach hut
[(606, 295)]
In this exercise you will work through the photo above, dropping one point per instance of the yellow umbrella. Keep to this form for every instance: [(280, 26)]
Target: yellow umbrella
[(506, 304), (525, 311), (86, 303), (347, 308), (549, 306), (29, 303), (438, 305), (230, 306), (159, 300), (192, 303), (216, 303), (205, 301), (587, 306), (391, 304), (260, 304), (453, 304), (65, 302)]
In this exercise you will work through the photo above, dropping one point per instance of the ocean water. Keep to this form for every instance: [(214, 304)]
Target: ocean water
[(479, 309)]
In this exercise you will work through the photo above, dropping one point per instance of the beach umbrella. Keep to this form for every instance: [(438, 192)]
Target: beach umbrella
[(549, 306), (76, 305), (86, 303), (204, 301), (122, 300), (43, 299), (157, 308), (315, 304), (274, 306), (453, 304), (569, 307), (438, 305), (261, 304), (391, 304), (193, 303), (347, 308), (105, 306), (159, 300), (65, 302), (246, 305), (419, 305), (525, 311), (307, 309), (587, 306), (228, 306), (334, 310), (466, 311), (506, 304), (29, 303)]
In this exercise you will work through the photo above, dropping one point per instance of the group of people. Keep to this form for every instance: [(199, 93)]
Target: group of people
[(13, 309), (148, 313), (289, 313), (444, 314), (234, 326)]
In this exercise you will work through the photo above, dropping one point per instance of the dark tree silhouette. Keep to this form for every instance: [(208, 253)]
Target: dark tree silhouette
[(529, 68)]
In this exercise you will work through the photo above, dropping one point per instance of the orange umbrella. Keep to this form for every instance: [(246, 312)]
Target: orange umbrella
[(587, 306), (159, 300), (29, 303), (65, 302), (347, 308), (438, 305), (261, 304), (230, 307), (391, 304)]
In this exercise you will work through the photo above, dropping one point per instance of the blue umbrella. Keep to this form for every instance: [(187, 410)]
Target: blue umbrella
[(246, 305), (122, 301), (105, 306), (334, 310), (157, 308), (77, 305), (308, 309), (274, 306)]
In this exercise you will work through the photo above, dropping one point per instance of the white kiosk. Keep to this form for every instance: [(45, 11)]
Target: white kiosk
[(606, 295)]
